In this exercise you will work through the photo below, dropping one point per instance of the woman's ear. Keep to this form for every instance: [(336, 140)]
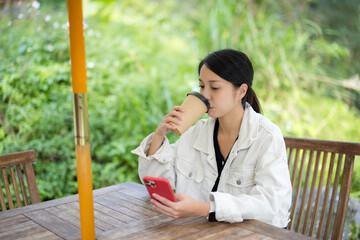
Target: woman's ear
[(242, 90)]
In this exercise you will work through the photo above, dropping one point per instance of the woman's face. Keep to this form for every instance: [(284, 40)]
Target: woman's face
[(221, 94)]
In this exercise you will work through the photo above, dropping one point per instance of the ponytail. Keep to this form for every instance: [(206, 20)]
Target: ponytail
[(252, 99)]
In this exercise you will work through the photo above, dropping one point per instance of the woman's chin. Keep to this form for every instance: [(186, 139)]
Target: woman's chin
[(211, 113)]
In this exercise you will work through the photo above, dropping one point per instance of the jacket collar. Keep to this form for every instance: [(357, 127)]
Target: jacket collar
[(247, 134)]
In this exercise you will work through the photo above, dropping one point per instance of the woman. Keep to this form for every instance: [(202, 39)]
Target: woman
[(229, 167)]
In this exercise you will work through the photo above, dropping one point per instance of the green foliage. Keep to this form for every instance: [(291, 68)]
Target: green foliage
[(141, 59), (355, 230)]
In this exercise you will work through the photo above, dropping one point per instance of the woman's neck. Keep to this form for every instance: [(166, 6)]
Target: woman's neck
[(229, 124)]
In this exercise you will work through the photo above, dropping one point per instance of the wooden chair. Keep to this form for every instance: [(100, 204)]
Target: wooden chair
[(22, 162), (316, 167)]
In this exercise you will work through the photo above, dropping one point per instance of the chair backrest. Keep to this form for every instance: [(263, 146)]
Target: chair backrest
[(316, 168), (22, 162)]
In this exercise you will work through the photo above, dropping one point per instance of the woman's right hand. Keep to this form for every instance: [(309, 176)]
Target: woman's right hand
[(174, 117)]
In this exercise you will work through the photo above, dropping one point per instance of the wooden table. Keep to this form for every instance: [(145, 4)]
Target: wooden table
[(124, 211)]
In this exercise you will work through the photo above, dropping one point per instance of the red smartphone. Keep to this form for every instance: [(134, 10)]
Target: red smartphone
[(160, 186)]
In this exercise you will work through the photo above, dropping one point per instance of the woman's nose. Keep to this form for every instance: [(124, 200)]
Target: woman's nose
[(205, 93)]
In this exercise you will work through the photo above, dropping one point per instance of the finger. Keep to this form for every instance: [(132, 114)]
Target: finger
[(178, 113), (179, 108), (162, 208), (163, 200), (174, 119), (179, 196), (169, 121)]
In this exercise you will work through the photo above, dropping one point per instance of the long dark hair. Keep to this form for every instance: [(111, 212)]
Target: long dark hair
[(235, 67)]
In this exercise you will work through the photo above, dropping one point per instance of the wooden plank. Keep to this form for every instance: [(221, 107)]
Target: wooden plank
[(101, 219), (271, 231), (135, 190), (43, 235), (304, 191), (290, 150), (15, 186), (333, 197), (164, 231), (7, 189), (65, 215), (126, 211), (35, 207), (318, 195), (2, 200), (222, 230), (125, 207), (59, 201), (134, 227), (326, 195), (7, 224), (145, 203), (108, 189), (31, 231), (17, 158), (12, 218), (118, 216), (196, 229), (22, 185), (295, 202), (54, 224), (31, 183), (219, 232), (295, 165), (344, 197), (144, 208), (70, 213), (19, 226), (311, 195), (323, 145)]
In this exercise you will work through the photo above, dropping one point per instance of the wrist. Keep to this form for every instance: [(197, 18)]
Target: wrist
[(204, 209), (160, 134)]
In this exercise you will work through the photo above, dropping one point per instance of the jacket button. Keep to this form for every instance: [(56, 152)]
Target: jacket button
[(190, 174), (238, 182)]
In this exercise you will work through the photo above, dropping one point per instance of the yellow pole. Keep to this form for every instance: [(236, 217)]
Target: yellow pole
[(81, 122)]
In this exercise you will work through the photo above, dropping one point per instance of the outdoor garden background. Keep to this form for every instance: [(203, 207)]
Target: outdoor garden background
[(142, 58)]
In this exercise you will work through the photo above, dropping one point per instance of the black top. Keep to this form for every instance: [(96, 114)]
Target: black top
[(220, 161)]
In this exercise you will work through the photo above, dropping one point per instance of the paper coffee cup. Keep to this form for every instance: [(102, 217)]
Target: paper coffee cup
[(195, 105)]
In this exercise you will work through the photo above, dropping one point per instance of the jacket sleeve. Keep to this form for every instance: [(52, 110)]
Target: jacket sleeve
[(270, 198), (160, 164)]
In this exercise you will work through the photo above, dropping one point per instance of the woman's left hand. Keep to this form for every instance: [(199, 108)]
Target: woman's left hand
[(184, 207)]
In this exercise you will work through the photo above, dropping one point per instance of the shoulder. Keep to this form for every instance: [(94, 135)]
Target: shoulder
[(268, 134), (257, 125), (271, 135), (267, 125)]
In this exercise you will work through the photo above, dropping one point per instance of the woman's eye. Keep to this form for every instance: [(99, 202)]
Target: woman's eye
[(213, 88), (201, 87)]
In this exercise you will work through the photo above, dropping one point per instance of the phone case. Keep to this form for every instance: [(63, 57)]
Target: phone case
[(160, 186)]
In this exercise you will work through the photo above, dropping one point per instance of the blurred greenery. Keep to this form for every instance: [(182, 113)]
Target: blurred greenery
[(142, 58)]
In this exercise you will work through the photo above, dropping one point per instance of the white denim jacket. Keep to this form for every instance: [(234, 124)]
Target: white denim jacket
[(254, 183)]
